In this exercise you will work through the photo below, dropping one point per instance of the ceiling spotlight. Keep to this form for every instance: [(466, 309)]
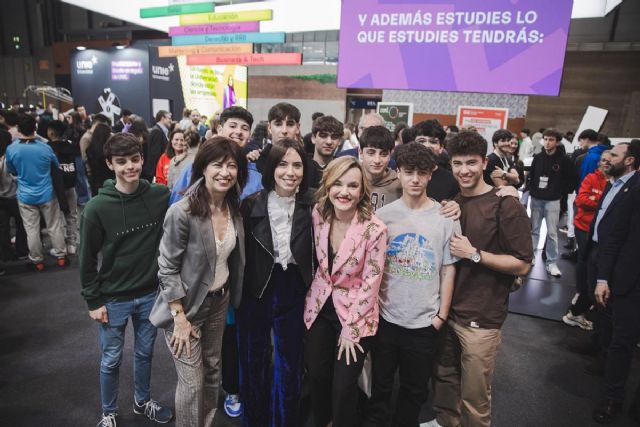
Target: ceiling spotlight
[(81, 48)]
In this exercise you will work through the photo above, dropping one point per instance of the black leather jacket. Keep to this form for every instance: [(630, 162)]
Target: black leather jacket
[(259, 243)]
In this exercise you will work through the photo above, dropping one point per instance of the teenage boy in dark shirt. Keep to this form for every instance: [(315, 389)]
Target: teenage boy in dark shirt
[(495, 246), (443, 185), (326, 135), (66, 152), (123, 223), (501, 169), (552, 176)]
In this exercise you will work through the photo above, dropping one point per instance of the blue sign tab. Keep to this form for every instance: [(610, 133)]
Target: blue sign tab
[(228, 38)]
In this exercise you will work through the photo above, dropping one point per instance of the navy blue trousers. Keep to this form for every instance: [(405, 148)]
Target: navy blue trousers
[(271, 375)]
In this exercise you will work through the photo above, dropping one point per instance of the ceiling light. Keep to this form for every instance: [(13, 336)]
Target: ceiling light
[(81, 48)]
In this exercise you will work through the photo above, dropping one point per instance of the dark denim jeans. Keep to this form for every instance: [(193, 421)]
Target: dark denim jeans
[(112, 345)]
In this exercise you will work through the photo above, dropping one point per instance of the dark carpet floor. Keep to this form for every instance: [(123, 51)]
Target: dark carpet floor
[(49, 363)]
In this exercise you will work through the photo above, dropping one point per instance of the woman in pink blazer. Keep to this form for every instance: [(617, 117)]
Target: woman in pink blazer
[(341, 307)]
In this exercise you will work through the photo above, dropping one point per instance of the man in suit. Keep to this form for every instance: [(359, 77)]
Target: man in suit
[(158, 140), (622, 171), (618, 284)]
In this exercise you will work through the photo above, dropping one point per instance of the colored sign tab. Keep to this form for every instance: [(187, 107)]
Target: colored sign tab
[(176, 9), (216, 18), (247, 59), (204, 49), (227, 27), (228, 38)]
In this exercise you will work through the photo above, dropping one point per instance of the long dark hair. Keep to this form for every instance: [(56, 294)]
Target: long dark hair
[(216, 148), (277, 152), (169, 151)]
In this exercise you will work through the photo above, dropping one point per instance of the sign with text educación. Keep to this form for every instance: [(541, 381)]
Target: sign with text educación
[(491, 46)]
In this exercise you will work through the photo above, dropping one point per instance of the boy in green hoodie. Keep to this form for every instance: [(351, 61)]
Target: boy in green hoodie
[(123, 223)]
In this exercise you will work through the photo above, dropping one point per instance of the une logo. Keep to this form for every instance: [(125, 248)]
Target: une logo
[(163, 71)]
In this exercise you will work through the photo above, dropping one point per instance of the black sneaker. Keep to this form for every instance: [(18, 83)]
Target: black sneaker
[(152, 410)]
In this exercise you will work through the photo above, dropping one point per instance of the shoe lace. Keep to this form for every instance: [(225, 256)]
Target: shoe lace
[(150, 409), (109, 420)]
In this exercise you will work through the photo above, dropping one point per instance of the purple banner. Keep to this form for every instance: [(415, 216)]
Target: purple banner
[(227, 27), (492, 46)]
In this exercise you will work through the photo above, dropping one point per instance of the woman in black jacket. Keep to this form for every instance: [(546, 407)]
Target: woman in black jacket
[(279, 270)]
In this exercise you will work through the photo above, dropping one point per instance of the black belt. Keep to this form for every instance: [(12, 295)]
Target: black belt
[(218, 293)]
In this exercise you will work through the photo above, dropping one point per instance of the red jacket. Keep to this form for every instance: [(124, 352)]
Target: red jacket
[(587, 199)]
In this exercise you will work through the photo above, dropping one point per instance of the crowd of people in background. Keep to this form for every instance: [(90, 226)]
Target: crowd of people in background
[(336, 258)]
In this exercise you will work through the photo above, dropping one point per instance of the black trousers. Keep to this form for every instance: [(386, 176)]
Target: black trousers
[(333, 384), (626, 332), (602, 322), (230, 370), (585, 300), (411, 351), (9, 209)]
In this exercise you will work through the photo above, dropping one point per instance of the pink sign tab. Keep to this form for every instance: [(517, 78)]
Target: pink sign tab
[(226, 27), (247, 59)]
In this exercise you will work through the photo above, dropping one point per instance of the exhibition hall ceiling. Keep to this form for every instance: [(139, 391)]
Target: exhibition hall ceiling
[(290, 16)]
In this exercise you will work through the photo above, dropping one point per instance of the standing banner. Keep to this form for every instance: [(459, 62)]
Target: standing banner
[(493, 46), (485, 120), (395, 112), (212, 88)]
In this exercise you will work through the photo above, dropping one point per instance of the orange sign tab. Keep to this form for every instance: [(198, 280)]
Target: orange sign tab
[(247, 59), (205, 49)]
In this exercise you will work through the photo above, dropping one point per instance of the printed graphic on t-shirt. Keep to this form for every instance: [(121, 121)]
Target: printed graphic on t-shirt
[(411, 255), (377, 200)]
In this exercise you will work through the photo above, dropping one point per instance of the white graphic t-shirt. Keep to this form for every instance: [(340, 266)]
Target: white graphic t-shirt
[(418, 247)]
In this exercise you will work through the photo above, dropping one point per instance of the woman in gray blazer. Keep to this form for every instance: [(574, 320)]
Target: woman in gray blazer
[(201, 270)]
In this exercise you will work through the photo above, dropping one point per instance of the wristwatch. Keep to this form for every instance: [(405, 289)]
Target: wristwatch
[(475, 257), (174, 313)]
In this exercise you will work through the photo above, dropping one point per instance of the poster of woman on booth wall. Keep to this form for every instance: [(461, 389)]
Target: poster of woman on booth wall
[(229, 98)]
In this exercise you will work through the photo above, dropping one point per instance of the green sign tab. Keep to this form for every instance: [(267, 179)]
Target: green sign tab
[(176, 9)]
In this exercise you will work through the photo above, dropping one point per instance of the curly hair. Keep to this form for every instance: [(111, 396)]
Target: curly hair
[(415, 156)]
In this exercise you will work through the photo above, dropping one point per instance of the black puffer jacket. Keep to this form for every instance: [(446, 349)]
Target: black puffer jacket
[(259, 243)]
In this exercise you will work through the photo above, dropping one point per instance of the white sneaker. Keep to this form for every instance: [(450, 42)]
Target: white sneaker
[(578, 321), (232, 405), (553, 270)]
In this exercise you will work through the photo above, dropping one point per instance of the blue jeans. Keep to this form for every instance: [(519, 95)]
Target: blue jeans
[(549, 210), (112, 344)]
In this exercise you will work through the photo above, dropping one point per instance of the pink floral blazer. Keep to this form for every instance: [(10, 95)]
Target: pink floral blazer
[(357, 272)]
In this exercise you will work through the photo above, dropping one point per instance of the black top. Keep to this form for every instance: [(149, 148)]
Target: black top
[(66, 153), (443, 186)]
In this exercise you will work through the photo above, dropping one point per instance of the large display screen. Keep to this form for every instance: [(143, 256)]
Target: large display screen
[(494, 46)]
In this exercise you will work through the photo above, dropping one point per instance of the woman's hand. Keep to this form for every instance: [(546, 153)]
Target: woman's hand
[(181, 338), (349, 348)]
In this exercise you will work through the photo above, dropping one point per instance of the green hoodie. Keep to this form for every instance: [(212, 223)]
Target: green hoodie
[(126, 229)]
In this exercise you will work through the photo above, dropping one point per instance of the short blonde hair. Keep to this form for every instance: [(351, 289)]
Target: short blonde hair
[(334, 171)]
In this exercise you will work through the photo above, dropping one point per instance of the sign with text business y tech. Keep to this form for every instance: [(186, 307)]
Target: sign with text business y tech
[(492, 46)]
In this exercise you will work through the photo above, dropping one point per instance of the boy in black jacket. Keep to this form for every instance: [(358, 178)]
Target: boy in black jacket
[(66, 153), (552, 176)]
